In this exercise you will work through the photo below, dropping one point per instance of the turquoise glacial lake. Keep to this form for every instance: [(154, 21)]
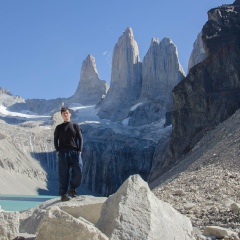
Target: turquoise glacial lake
[(22, 202)]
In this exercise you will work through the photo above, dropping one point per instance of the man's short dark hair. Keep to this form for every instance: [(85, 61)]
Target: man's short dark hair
[(64, 109)]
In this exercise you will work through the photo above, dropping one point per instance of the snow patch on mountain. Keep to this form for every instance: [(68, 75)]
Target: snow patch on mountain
[(22, 114)]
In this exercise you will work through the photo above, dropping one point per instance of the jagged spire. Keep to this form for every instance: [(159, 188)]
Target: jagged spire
[(90, 88), (125, 84), (89, 68), (161, 71)]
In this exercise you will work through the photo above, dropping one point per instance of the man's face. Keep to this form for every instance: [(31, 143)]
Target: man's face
[(66, 116)]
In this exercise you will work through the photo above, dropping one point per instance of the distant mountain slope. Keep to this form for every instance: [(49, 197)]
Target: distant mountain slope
[(27, 161), (7, 99)]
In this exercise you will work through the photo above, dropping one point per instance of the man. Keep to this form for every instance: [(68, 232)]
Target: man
[(68, 143)]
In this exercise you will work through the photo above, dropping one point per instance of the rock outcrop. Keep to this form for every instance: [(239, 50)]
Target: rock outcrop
[(59, 225), (161, 72), (87, 207), (113, 154), (134, 212), (211, 91), (91, 89), (133, 82), (9, 225), (126, 79), (150, 78), (7, 99), (198, 53), (146, 112), (219, 232)]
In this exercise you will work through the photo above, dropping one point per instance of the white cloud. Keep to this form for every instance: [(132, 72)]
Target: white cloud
[(108, 57)]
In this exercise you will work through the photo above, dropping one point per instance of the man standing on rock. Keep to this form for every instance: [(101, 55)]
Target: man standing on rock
[(68, 143)]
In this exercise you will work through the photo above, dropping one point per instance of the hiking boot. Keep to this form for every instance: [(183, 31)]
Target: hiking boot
[(72, 193), (64, 198)]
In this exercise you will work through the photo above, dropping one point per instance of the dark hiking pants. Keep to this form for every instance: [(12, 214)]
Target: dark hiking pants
[(69, 168)]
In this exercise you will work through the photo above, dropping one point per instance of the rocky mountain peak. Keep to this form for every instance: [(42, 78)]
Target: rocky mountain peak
[(166, 41), (126, 45), (222, 28), (161, 70), (125, 79), (168, 47), (128, 32), (89, 69), (8, 99), (90, 89), (154, 42), (4, 91)]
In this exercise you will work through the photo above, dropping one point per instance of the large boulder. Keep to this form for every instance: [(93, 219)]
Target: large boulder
[(30, 220), (134, 212), (9, 225), (220, 232), (59, 225), (88, 207)]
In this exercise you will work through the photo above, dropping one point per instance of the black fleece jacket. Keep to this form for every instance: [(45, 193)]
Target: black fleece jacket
[(68, 135)]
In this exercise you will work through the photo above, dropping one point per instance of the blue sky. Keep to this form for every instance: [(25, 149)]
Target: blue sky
[(44, 42)]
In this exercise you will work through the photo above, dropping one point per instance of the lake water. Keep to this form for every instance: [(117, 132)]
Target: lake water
[(22, 202)]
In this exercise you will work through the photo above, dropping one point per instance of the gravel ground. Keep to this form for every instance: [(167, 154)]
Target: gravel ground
[(205, 183)]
